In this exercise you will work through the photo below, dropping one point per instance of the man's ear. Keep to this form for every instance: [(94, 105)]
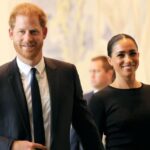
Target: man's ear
[(10, 33), (44, 32)]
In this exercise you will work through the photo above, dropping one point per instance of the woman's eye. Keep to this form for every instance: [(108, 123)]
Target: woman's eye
[(133, 53)]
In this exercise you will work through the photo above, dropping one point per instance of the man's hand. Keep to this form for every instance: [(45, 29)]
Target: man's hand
[(26, 145)]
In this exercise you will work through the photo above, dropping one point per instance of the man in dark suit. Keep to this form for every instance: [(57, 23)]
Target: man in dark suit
[(101, 74), (57, 82)]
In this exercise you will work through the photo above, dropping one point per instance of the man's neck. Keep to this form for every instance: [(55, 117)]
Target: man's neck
[(30, 62)]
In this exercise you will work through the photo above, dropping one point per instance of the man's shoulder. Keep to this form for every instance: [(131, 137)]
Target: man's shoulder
[(87, 96), (5, 68), (54, 63)]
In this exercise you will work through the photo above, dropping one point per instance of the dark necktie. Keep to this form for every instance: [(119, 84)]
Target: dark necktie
[(38, 126)]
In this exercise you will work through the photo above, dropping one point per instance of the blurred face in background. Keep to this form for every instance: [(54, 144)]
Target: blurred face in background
[(99, 76)]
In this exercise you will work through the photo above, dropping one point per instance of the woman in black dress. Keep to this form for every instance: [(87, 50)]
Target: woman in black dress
[(122, 109)]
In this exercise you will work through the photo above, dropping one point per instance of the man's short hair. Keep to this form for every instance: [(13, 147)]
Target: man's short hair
[(27, 9), (104, 59), (106, 65)]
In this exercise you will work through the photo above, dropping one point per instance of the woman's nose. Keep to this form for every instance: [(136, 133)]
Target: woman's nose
[(128, 59)]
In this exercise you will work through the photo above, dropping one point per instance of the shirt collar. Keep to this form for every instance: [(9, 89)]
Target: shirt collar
[(96, 90), (25, 68)]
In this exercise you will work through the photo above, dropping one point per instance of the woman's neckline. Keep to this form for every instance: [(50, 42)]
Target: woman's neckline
[(127, 89)]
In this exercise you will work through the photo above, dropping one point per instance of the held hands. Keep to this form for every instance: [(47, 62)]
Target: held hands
[(26, 145)]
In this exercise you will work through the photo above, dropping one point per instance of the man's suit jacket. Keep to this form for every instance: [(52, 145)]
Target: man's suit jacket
[(66, 106), (88, 96)]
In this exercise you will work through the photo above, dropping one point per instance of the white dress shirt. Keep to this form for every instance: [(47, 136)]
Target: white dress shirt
[(25, 71)]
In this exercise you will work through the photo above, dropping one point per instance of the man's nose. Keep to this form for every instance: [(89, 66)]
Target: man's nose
[(27, 36)]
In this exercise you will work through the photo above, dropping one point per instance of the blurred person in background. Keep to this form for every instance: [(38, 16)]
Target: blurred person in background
[(101, 75)]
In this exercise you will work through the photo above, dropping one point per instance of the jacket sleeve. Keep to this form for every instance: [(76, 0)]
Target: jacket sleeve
[(82, 120), (74, 140), (5, 143), (97, 108)]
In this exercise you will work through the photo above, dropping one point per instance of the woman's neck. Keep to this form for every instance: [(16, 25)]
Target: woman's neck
[(126, 83)]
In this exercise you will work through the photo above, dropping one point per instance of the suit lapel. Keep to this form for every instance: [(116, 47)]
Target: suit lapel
[(21, 104), (53, 80)]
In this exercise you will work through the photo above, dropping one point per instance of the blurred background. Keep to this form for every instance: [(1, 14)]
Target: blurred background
[(80, 29)]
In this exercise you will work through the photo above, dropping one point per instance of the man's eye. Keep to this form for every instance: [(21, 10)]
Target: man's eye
[(34, 32), (92, 71), (21, 31), (120, 55)]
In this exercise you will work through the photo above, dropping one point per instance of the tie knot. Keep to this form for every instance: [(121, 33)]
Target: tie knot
[(33, 71)]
